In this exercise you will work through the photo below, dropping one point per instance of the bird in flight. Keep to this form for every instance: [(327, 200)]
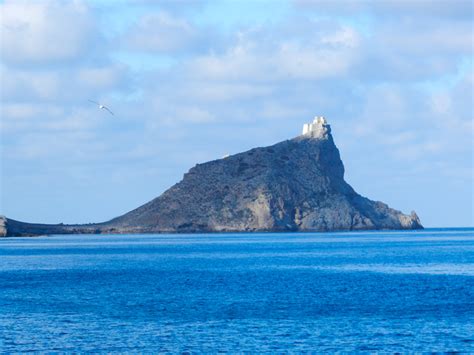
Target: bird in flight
[(102, 106)]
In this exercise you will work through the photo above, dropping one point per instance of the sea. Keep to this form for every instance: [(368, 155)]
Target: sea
[(380, 291)]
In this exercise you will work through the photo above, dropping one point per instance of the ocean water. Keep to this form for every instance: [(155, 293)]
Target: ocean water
[(365, 291)]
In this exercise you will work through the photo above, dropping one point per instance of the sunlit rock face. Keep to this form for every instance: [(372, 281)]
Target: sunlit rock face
[(3, 226), (294, 185)]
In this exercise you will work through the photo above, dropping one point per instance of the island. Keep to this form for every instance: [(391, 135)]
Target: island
[(293, 186)]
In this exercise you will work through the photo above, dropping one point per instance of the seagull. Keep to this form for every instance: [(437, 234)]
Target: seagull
[(102, 106)]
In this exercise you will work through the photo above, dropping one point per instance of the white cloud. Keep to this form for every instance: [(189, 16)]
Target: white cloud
[(441, 103), (345, 36), (415, 151), (48, 118), (414, 37), (67, 85), (256, 56), (71, 145), (45, 31), (405, 40), (101, 78), (175, 116), (455, 9), (218, 91), (163, 33), (21, 85)]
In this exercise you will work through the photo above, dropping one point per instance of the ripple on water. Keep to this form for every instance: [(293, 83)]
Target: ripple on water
[(375, 291)]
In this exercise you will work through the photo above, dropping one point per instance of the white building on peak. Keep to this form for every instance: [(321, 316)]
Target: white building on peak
[(316, 126)]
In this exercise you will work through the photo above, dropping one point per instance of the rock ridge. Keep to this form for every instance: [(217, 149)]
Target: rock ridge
[(294, 185)]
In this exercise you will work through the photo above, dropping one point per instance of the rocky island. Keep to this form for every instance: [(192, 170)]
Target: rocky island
[(294, 185)]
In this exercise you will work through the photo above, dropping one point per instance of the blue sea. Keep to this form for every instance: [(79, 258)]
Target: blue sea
[(324, 292)]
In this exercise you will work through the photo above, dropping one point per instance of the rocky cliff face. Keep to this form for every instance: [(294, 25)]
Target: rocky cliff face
[(3, 226), (295, 185)]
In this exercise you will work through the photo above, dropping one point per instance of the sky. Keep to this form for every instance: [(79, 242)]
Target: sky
[(192, 81)]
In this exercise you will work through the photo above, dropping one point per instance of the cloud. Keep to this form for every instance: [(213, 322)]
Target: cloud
[(72, 84), (405, 40), (321, 67), (318, 51), (163, 33), (20, 85), (452, 111), (456, 9), (170, 6), (415, 121), (101, 79), (45, 32)]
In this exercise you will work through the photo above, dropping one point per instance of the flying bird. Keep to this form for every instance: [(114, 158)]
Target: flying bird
[(103, 107)]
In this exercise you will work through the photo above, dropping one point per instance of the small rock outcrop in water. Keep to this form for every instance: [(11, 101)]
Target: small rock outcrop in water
[(295, 185)]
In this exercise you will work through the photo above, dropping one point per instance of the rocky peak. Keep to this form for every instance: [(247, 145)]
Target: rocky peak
[(294, 185)]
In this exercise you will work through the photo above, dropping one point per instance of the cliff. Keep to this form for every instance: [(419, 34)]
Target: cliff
[(294, 185)]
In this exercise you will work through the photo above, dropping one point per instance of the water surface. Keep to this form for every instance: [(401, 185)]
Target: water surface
[(365, 291)]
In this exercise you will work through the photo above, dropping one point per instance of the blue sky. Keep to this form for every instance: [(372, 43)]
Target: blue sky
[(191, 81)]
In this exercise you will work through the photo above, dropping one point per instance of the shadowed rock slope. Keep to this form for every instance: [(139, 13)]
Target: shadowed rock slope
[(295, 185)]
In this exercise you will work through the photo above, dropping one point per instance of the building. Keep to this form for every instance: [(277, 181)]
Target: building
[(316, 126)]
